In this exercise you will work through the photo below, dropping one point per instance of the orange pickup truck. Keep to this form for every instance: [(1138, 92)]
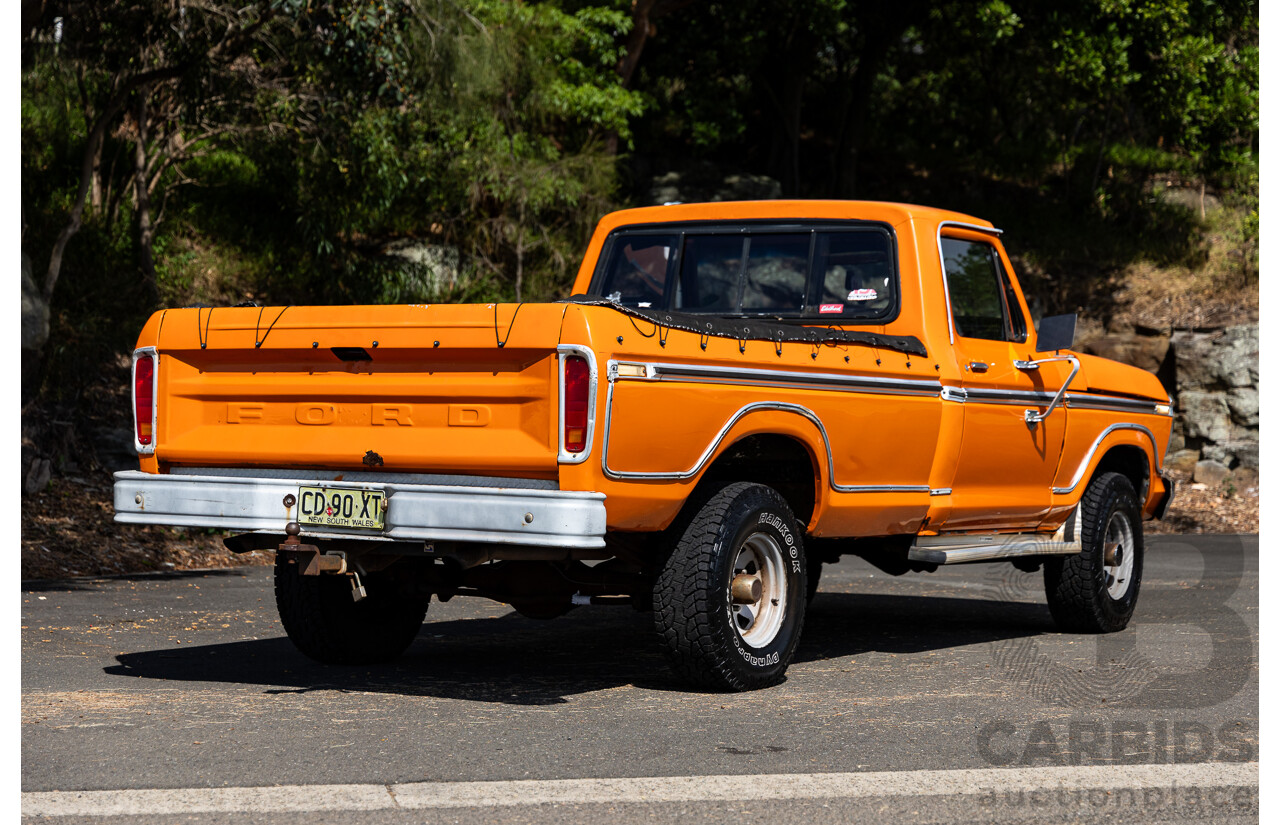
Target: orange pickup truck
[(735, 395)]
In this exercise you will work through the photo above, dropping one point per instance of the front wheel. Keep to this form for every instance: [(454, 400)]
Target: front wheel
[(1096, 590), (729, 602)]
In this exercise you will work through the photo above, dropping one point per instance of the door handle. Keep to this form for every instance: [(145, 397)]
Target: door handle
[(978, 366)]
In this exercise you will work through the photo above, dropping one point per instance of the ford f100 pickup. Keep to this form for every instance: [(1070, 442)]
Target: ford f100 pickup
[(734, 395)]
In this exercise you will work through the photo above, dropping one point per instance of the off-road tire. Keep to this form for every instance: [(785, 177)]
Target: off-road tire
[(693, 612), (326, 624), (1077, 586)]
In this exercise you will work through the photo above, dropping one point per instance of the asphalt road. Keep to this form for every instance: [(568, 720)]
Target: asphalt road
[(906, 692)]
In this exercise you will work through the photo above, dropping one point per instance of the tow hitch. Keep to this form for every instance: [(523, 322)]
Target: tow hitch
[(312, 562)]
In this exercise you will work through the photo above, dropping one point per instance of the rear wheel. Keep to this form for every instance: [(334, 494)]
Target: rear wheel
[(1096, 590), (326, 624), (729, 602)]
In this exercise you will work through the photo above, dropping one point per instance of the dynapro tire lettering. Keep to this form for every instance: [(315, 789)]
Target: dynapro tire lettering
[(753, 660)]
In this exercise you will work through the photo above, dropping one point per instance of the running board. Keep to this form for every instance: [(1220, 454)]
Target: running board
[(958, 548)]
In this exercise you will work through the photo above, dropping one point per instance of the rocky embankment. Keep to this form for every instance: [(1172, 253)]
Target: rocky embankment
[(1212, 376)]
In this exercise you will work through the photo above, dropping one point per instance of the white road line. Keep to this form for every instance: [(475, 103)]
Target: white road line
[(415, 795)]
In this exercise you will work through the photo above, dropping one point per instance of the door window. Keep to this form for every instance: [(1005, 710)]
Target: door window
[(975, 287)]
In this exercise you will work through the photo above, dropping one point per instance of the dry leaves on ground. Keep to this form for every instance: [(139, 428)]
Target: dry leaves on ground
[(1198, 508), (68, 530)]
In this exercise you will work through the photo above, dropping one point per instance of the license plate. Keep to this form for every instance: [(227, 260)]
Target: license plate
[(332, 507)]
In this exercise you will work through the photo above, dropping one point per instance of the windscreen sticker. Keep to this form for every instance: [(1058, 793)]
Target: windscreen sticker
[(826, 309), (862, 295)]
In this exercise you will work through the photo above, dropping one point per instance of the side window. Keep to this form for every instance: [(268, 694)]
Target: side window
[(762, 273), (854, 273), (637, 272), (709, 269), (776, 275), (976, 287)]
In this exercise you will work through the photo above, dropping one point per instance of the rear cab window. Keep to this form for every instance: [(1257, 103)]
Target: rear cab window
[(843, 272)]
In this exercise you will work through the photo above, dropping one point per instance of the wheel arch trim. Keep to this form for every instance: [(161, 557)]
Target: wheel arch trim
[(1093, 456)]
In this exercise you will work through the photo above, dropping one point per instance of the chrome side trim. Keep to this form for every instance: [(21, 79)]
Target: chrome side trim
[(942, 265), (145, 449), (941, 491), (564, 351), (1088, 458), (777, 406), (1088, 401), (415, 512), (1079, 400), (981, 395), (656, 371)]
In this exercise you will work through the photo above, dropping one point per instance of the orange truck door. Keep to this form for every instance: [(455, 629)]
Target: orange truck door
[(1005, 469)]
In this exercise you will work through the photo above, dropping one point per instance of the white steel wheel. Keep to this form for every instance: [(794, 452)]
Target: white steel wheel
[(1118, 555), (758, 619)]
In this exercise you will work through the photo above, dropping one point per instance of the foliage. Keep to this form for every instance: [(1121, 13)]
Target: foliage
[(412, 150)]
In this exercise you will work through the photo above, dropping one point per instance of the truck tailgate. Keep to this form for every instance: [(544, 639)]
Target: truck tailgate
[(456, 389)]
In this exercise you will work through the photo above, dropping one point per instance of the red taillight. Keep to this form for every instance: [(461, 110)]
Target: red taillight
[(144, 371), (577, 386)]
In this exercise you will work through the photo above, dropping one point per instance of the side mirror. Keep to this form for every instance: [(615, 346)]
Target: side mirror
[(1056, 332)]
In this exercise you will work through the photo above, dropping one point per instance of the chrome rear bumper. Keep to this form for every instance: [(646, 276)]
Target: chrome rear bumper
[(415, 512)]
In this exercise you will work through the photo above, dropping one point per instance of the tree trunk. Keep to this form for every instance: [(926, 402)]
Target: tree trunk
[(1102, 150), (643, 12), (520, 256), (96, 134), (96, 188), (92, 143), (142, 198), (871, 52), (635, 39)]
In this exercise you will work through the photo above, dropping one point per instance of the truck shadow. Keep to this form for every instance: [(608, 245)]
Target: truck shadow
[(520, 661), (94, 584)]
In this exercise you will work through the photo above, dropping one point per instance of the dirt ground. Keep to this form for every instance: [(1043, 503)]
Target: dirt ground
[(67, 530)]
